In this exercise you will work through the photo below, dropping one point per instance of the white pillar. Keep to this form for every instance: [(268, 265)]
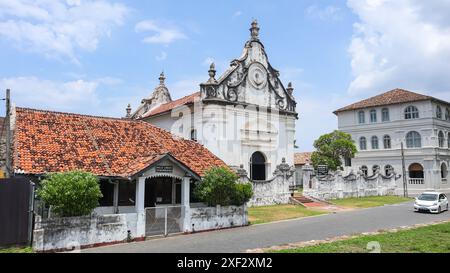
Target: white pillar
[(140, 194), (140, 207), (185, 202)]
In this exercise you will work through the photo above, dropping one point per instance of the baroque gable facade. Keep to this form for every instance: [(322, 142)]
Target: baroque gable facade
[(246, 116)]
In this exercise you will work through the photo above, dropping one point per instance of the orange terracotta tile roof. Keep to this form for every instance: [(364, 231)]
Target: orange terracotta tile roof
[(173, 104), (302, 158), (395, 96), (46, 141)]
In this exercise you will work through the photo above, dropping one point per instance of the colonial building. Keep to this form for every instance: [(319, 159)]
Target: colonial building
[(246, 116), (380, 125), (139, 165)]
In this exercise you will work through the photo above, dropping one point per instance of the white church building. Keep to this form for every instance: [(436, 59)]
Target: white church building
[(246, 116), (379, 125)]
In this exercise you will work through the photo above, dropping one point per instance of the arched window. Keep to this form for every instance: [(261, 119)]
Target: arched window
[(362, 144), (411, 112), (448, 140), (413, 140), (387, 142), (258, 166), (447, 114), (444, 171), (415, 170), (374, 143), (364, 170), (373, 116), (438, 112), (388, 170), (441, 139), (194, 135), (375, 168), (385, 114), (361, 117)]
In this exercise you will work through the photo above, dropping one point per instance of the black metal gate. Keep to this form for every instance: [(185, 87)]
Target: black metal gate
[(16, 202)]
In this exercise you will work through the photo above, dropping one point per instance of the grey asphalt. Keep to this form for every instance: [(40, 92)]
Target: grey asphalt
[(292, 231)]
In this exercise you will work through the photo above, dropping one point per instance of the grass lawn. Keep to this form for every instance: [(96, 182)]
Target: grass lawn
[(258, 215), (16, 250), (371, 201), (435, 239)]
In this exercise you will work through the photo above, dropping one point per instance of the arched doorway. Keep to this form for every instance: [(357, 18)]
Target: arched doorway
[(415, 171), (258, 166)]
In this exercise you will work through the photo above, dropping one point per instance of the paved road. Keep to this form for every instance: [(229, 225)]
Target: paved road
[(292, 231)]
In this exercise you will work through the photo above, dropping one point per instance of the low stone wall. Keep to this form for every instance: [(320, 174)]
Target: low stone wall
[(270, 192), (339, 186), (208, 218), (58, 234)]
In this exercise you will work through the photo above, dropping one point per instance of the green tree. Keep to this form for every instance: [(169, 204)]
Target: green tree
[(331, 148), (69, 194), (219, 187)]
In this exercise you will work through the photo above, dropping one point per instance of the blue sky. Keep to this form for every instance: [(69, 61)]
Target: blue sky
[(95, 57)]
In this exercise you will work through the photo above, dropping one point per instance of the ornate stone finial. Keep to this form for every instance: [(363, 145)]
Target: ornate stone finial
[(212, 71), (283, 160), (128, 111), (254, 30), (290, 89), (161, 78)]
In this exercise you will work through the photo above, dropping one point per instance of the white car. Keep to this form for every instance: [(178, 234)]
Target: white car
[(434, 202)]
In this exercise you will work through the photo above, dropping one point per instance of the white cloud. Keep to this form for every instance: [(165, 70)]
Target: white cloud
[(237, 14), (46, 94), (73, 95), (323, 13), (162, 56), (186, 85), (161, 33), (315, 116), (59, 28), (402, 44)]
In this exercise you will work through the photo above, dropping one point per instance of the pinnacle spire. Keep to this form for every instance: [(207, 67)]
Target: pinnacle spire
[(212, 72), (290, 88), (161, 78), (254, 30), (128, 109)]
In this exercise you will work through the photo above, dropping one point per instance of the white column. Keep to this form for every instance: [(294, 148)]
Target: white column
[(140, 207), (185, 202), (140, 194)]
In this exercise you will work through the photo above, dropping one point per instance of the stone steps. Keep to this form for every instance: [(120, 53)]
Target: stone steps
[(303, 199)]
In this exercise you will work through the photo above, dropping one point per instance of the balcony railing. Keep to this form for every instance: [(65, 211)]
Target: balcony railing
[(416, 181)]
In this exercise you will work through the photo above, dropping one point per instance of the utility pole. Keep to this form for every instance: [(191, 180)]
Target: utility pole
[(8, 134), (405, 184)]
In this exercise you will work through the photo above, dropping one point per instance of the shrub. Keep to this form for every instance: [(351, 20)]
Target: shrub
[(219, 187), (70, 194), (243, 193)]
